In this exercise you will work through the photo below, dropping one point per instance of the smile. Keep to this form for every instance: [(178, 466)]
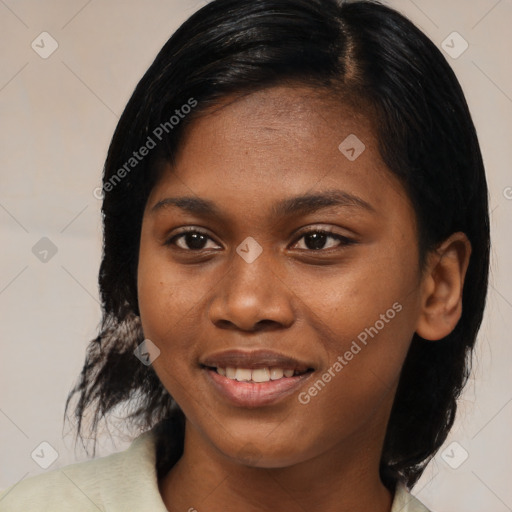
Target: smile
[(257, 375), (255, 388), (254, 378)]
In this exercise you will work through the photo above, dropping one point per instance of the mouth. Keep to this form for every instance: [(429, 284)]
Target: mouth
[(254, 379), (257, 375)]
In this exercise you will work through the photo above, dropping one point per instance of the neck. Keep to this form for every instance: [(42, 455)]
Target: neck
[(344, 479)]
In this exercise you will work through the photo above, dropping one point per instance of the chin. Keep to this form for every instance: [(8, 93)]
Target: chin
[(263, 455)]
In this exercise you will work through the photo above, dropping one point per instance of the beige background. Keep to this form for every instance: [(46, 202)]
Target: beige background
[(57, 117)]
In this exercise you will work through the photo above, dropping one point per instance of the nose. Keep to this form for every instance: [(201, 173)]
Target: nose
[(252, 297)]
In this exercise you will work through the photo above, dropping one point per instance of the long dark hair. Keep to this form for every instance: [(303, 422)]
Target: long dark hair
[(360, 52)]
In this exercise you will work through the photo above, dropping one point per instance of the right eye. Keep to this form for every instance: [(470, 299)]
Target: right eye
[(191, 239)]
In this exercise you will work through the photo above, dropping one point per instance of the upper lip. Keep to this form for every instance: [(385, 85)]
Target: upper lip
[(236, 358)]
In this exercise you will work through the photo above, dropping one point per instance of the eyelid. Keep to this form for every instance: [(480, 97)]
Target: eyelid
[(318, 228)]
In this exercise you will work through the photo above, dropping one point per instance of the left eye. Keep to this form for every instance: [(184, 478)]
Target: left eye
[(315, 240)]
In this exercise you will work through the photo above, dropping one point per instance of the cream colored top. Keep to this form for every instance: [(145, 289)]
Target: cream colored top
[(121, 482)]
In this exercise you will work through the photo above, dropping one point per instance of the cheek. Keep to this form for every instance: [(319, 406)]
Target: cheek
[(165, 293), (349, 300), (171, 307), (357, 385), (365, 320), (157, 302)]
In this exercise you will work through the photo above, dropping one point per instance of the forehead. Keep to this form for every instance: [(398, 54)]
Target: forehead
[(285, 120), (282, 141)]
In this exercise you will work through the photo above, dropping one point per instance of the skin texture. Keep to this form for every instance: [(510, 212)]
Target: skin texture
[(303, 302)]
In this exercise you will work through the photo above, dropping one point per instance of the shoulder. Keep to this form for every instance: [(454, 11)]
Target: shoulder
[(117, 482), (77, 484), (404, 501)]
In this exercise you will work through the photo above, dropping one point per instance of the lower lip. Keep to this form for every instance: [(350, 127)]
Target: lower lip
[(255, 394)]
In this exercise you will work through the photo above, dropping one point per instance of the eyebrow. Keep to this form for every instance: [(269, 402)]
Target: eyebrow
[(297, 205)]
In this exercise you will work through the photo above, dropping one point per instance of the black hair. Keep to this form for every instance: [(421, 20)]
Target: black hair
[(363, 53)]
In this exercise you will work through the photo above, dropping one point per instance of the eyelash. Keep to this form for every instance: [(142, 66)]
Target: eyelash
[(343, 239)]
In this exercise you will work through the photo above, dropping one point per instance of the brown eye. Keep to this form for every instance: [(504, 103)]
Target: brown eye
[(317, 239), (190, 240)]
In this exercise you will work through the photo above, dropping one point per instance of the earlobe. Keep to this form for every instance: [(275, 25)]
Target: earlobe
[(442, 286)]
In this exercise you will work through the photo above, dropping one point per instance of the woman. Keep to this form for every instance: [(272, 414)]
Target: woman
[(296, 245)]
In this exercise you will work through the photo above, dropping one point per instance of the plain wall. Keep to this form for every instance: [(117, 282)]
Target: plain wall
[(57, 117)]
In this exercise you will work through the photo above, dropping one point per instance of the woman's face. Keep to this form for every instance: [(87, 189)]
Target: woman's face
[(255, 290)]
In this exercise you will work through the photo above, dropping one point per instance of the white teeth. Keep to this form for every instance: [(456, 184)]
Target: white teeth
[(276, 373), (256, 375), (261, 375), (243, 374)]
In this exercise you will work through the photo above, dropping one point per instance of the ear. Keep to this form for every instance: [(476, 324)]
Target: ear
[(442, 285)]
